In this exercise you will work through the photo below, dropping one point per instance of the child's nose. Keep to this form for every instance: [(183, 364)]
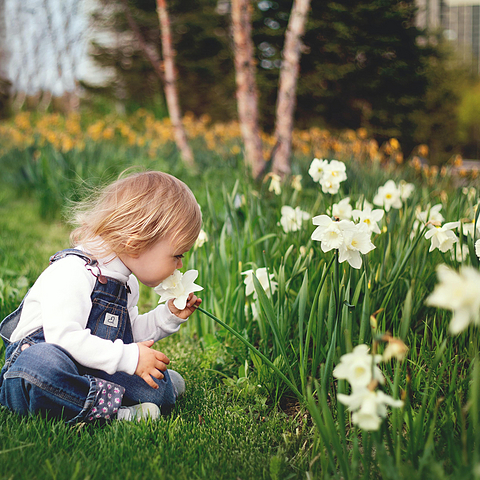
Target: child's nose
[(180, 264)]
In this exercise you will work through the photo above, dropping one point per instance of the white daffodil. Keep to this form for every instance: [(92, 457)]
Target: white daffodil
[(442, 237), (369, 407), (336, 170), (328, 174), (359, 368), (395, 349), (362, 203), (328, 232), (178, 286), (297, 182), (265, 279), (477, 248), (239, 201), (468, 228), (330, 185), (369, 217), (334, 173), (460, 293), (471, 192), (317, 168), (406, 189), (388, 196), (292, 218), (356, 241), (201, 239), (275, 185), (430, 214), (342, 209)]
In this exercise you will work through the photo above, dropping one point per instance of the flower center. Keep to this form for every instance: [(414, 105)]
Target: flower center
[(359, 371)]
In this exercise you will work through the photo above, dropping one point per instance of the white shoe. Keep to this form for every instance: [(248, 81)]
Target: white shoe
[(139, 412), (178, 382)]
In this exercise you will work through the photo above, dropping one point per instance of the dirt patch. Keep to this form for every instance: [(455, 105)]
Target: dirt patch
[(291, 406)]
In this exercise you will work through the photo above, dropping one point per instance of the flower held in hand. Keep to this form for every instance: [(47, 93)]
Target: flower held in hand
[(178, 286)]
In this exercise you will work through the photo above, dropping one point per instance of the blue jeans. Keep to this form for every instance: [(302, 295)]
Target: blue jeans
[(40, 377), (43, 378)]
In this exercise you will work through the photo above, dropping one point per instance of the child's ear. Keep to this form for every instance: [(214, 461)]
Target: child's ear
[(130, 249)]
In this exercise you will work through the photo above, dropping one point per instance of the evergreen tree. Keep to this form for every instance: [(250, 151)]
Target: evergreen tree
[(362, 62), (204, 60)]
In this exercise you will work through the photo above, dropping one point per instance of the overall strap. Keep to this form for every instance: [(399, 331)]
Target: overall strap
[(9, 324), (91, 262)]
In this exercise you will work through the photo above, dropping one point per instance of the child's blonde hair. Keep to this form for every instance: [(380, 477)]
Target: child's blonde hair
[(135, 212)]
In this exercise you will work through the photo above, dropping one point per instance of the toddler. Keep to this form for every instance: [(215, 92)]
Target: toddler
[(76, 347)]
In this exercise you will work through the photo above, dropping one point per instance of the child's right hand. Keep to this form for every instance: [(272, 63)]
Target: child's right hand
[(151, 363)]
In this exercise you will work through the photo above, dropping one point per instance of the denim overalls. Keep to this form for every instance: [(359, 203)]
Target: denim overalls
[(43, 377)]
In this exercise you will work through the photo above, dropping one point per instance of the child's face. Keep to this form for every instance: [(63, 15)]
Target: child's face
[(154, 265)]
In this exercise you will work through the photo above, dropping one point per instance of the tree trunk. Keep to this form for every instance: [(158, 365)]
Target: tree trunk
[(286, 97), (150, 55), (4, 81), (3, 42), (247, 95), (171, 94)]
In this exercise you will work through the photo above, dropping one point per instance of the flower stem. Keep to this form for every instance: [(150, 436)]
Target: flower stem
[(398, 272), (256, 352), (336, 281)]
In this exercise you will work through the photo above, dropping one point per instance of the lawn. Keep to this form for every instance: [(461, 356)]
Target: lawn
[(330, 343), (215, 431)]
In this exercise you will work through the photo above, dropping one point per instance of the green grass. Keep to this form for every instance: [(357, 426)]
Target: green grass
[(320, 311), (25, 238), (212, 433), (215, 431)]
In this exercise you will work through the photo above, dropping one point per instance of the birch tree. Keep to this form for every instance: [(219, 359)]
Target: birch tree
[(4, 83), (286, 96), (170, 87), (3, 45), (247, 93)]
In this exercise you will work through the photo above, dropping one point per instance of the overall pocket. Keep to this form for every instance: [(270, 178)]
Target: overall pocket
[(107, 320)]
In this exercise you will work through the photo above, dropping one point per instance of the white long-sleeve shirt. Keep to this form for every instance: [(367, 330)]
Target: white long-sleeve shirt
[(60, 302)]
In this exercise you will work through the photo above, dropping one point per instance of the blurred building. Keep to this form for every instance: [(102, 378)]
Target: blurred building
[(459, 22), (42, 44)]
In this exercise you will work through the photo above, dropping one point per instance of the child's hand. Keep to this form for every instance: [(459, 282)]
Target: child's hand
[(193, 302), (151, 363)]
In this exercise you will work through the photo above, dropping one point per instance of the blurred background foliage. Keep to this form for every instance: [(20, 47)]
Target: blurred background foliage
[(364, 64)]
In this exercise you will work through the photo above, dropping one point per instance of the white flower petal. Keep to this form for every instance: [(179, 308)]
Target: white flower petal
[(180, 302), (178, 287)]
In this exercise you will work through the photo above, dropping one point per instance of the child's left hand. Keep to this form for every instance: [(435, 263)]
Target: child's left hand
[(193, 302)]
